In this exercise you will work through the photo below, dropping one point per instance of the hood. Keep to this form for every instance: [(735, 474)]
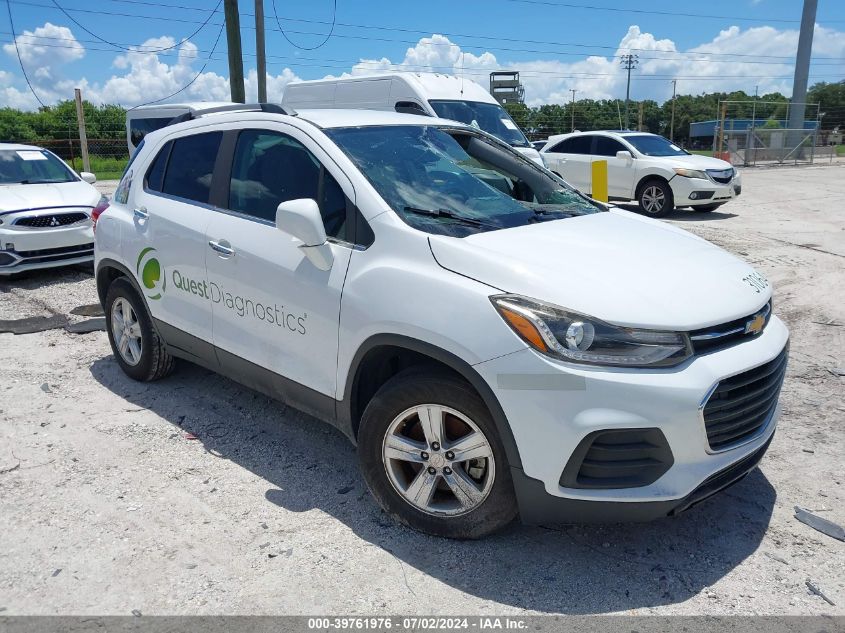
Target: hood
[(60, 194), (695, 161), (616, 266)]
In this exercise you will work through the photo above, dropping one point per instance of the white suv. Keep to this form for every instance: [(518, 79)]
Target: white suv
[(494, 342), (646, 168)]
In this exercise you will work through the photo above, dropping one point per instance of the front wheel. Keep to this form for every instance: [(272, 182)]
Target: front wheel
[(656, 199), (431, 457)]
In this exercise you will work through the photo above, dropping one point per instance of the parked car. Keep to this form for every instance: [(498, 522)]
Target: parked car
[(433, 94), (538, 145), (647, 168), (45, 210), (493, 341)]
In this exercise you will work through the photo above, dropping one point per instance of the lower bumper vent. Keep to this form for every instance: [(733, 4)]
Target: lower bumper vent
[(622, 458)]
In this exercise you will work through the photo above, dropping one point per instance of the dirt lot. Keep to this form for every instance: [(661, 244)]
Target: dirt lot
[(196, 495)]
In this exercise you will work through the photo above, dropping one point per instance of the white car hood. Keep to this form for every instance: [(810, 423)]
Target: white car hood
[(695, 161), (615, 266), (64, 194)]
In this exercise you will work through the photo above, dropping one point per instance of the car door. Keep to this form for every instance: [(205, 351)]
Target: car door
[(620, 172), (273, 309), (167, 246), (571, 159)]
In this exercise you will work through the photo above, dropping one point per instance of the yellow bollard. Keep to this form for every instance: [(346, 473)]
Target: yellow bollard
[(600, 180)]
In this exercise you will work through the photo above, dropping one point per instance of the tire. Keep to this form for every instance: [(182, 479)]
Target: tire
[(706, 207), (655, 198), (491, 503), (147, 359)]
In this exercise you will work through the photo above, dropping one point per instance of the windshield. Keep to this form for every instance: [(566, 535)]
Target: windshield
[(652, 145), (490, 117), (32, 167), (455, 182)]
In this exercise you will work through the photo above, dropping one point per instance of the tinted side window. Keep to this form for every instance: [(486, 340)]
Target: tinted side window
[(574, 145), (191, 166), (409, 107), (155, 174), (270, 168), (606, 146)]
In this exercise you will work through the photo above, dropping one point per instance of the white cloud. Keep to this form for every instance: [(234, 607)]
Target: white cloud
[(139, 77), (38, 48)]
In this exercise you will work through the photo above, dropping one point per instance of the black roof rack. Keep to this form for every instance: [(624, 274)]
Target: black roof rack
[(270, 108)]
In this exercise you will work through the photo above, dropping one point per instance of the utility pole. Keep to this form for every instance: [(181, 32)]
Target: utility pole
[(83, 139), (236, 58), (260, 57), (640, 118), (672, 123), (573, 107), (802, 70), (629, 62)]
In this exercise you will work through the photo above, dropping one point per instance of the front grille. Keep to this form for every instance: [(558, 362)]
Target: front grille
[(51, 221), (56, 254), (723, 176), (711, 339), (741, 405), (623, 458)]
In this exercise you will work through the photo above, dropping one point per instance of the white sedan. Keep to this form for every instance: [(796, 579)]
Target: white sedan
[(645, 168), (45, 211)]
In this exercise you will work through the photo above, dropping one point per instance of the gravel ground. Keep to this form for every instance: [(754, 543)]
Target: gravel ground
[(198, 496)]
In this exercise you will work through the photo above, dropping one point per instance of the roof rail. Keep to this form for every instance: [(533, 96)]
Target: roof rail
[(271, 108)]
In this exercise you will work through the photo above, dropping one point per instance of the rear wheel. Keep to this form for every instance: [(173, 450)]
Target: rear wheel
[(655, 198), (431, 457), (137, 347)]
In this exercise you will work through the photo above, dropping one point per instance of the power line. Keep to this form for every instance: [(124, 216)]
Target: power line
[(18, 53), (568, 5), (417, 31), (159, 50), (187, 85), (304, 48)]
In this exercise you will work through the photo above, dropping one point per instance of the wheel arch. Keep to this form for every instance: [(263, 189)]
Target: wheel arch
[(381, 356), (646, 178)]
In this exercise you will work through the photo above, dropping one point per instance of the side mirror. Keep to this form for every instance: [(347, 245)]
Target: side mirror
[(301, 219), (88, 177), (624, 154)]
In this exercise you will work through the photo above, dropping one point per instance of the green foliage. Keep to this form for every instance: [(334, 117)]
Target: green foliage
[(59, 122), (831, 100)]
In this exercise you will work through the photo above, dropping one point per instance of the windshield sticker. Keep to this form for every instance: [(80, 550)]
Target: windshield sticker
[(31, 154), (509, 124)]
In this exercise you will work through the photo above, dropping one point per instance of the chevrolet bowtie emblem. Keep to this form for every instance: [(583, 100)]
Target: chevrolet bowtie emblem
[(755, 325)]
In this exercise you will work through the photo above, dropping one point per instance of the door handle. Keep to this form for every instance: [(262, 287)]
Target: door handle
[(141, 213), (221, 248)]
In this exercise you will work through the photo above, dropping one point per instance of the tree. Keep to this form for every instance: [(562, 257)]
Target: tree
[(831, 100)]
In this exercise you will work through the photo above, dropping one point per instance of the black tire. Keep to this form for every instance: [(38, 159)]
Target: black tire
[(430, 386), (154, 362), (706, 207), (646, 194)]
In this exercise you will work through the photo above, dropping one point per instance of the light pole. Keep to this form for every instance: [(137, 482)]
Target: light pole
[(672, 123), (629, 62), (573, 107)]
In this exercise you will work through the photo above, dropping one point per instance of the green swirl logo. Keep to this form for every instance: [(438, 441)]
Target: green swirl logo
[(151, 274)]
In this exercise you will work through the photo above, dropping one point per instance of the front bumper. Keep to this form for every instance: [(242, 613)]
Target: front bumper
[(552, 406), (691, 192), (31, 249)]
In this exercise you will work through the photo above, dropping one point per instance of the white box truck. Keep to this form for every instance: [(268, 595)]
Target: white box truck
[(444, 96)]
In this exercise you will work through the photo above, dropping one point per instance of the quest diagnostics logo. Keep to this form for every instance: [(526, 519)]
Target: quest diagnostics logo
[(151, 274)]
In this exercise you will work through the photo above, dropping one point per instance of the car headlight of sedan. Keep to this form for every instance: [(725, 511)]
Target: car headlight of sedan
[(690, 173), (579, 338)]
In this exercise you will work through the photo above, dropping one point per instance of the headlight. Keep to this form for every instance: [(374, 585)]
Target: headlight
[(690, 173), (578, 338)]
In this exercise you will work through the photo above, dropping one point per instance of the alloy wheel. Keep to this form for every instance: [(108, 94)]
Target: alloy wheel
[(126, 331), (653, 199), (438, 460)]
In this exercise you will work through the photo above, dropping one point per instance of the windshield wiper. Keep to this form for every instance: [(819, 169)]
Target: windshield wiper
[(451, 215)]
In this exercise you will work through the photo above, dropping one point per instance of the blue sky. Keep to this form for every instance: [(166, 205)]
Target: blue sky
[(557, 45)]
